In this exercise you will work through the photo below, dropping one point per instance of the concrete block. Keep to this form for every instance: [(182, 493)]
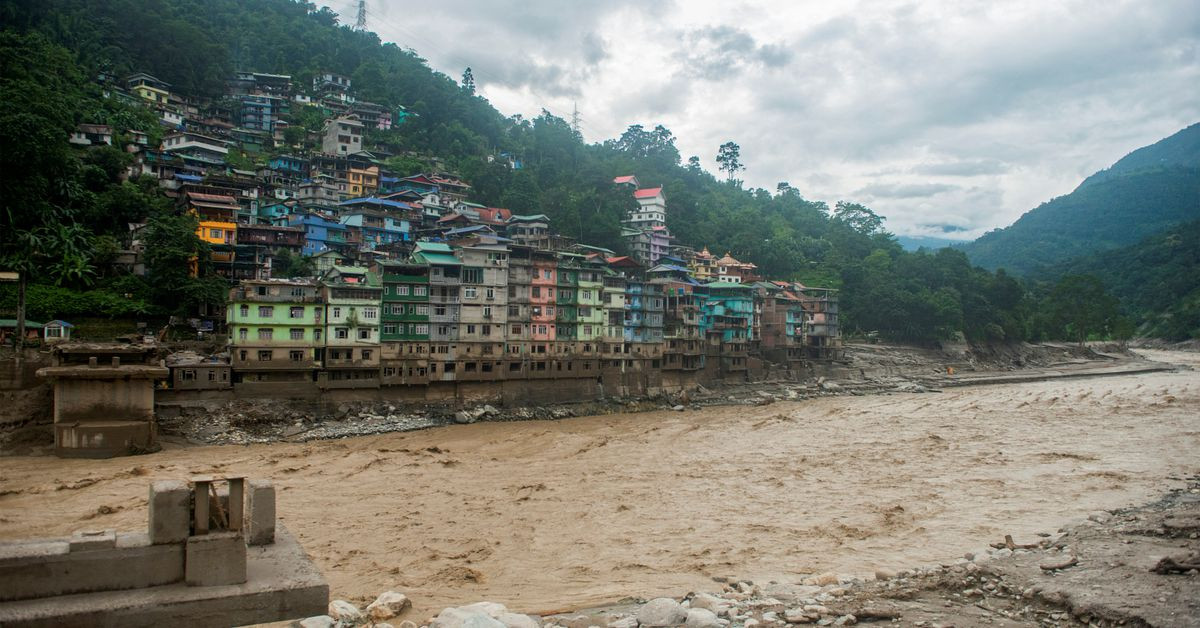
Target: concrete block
[(261, 496), (38, 570), (170, 511), (84, 540), (215, 559)]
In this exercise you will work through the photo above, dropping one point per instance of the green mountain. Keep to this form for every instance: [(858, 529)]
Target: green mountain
[(1146, 192), (1157, 280)]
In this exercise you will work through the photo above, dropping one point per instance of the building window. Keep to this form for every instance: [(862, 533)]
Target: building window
[(341, 333), (296, 312), (366, 354), (364, 334), (243, 333), (188, 375), (487, 311), (470, 292), (490, 293), (537, 291), (266, 311), (420, 291), (421, 330), (389, 329), (244, 310), (266, 334), (401, 291), (370, 313), (264, 356), (296, 333), (296, 356), (422, 310), (337, 312), (470, 329), (316, 334)]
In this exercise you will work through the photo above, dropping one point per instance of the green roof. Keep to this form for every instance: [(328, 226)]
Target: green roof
[(444, 259), (437, 247), (726, 284), (12, 322)]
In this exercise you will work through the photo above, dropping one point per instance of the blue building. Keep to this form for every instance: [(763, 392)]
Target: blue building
[(376, 228), (290, 164), (321, 233)]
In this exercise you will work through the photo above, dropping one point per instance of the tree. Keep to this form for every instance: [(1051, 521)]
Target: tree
[(1079, 306), (729, 160), (693, 164), (179, 265), (290, 265), (468, 82), (858, 217)]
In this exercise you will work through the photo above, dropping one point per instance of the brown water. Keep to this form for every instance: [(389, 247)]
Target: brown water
[(547, 516)]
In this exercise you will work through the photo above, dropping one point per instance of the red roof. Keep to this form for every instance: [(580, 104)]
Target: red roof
[(494, 215), (623, 260), (647, 192), (451, 217), (625, 179)]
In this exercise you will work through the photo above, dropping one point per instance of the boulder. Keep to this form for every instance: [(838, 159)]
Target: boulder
[(701, 618), (791, 592), (821, 580), (518, 620), (345, 612), (624, 622), (388, 605), (462, 416), (662, 611), (710, 602), (464, 618), (884, 574), (320, 621), (407, 624), (677, 408), (578, 621)]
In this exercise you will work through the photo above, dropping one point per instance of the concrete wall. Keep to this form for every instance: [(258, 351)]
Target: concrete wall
[(103, 400), (50, 568)]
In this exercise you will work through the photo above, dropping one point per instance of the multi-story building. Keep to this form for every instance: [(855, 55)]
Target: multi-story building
[(484, 307), (363, 181), (275, 328), (351, 355), (780, 322), (727, 320), (405, 329), (543, 304), (612, 346), (342, 136), (445, 286), (590, 316), (683, 344), (566, 302), (375, 228), (321, 233), (822, 338)]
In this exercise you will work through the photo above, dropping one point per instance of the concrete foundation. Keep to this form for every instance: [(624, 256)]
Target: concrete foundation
[(170, 511), (51, 568), (260, 501), (103, 411), (281, 582), (215, 559)]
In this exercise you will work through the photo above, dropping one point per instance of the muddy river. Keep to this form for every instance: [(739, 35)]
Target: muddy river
[(546, 516)]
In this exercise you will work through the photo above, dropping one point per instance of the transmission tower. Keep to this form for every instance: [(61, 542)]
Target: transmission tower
[(360, 24), (575, 118)]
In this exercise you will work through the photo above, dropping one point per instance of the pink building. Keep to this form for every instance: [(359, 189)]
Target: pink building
[(542, 299)]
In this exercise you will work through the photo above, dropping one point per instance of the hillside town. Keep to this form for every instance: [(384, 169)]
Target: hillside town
[(414, 283)]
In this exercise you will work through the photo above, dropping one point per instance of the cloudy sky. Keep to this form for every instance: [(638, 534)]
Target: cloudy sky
[(946, 117)]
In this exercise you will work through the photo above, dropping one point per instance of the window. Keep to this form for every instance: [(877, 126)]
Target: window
[(337, 312), (439, 310), (243, 333), (587, 294), (470, 292), (266, 311), (537, 291), (401, 291), (266, 334), (316, 334), (370, 313), (546, 274), (490, 293), (341, 333), (443, 330), (537, 311), (242, 355), (214, 233), (515, 330), (470, 329), (264, 356), (296, 333), (420, 291), (421, 330), (512, 292), (366, 354), (296, 312), (296, 356), (364, 334), (188, 375), (486, 330), (422, 310), (244, 310), (487, 311), (472, 275), (514, 311), (541, 329), (389, 329)]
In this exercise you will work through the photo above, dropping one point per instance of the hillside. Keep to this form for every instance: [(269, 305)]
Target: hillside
[(1115, 210), (1180, 149), (1157, 280)]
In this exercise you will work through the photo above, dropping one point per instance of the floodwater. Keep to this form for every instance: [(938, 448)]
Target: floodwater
[(552, 515)]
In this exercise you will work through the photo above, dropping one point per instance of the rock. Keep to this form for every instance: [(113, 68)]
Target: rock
[(577, 621), (711, 602), (662, 611), (821, 580), (407, 624), (791, 592), (345, 612), (320, 621), (816, 609), (1003, 553), (518, 620), (624, 622), (1100, 516), (462, 416), (677, 408), (388, 605), (464, 618), (884, 574), (830, 386), (488, 410), (701, 618), (845, 620)]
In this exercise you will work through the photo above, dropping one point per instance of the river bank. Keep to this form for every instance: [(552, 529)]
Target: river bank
[(545, 515)]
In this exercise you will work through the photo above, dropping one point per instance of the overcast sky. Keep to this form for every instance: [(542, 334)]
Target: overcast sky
[(953, 116)]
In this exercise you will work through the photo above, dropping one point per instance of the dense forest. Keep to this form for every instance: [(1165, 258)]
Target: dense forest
[(67, 210)]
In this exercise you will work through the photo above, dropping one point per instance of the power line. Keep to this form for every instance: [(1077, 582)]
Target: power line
[(360, 24)]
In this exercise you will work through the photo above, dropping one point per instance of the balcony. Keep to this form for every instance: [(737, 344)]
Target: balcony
[(444, 298)]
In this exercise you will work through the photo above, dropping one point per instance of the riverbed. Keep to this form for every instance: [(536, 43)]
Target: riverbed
[(551, 515)]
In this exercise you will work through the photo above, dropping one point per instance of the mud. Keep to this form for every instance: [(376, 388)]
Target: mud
[(552, 515)]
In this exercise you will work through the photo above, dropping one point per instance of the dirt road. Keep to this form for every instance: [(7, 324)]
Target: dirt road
[(545, 516)]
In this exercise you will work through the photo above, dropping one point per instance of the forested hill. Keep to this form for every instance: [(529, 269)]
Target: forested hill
[(1149, 190), (1157, 280)]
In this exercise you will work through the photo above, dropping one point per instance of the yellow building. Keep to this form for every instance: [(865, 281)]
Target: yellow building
[(704, 266), (364, 181), (153, 94), (216, 232)]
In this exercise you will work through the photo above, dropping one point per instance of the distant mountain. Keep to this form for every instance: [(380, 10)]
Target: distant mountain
[(1146, 192), (914, 243), (1157, 280)]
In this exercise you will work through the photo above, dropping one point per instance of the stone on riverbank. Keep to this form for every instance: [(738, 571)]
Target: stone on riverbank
[(662, 611)]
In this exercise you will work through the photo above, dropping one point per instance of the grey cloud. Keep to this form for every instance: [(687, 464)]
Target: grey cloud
[(716, 52), (968, 168), (906, 190)]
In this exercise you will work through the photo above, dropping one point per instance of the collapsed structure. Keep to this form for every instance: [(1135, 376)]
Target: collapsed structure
[(208, 557)]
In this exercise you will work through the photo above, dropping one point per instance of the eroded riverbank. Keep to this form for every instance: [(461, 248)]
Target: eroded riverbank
[(549, 515)]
